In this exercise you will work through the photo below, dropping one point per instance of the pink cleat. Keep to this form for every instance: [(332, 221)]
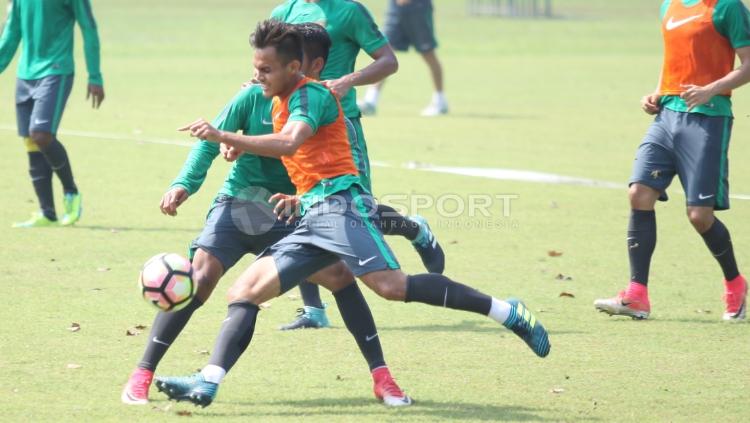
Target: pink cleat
[(386, 389), (735, 296), (136, 390)]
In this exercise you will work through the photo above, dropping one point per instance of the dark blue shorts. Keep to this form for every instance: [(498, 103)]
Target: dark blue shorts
[(341, 227), (411, 26), (692, 146), (40, 103), (235, 227)]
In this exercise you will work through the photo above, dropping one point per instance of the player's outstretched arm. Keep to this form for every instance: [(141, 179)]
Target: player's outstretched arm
[(284, 143), (695, 95), (384, 64), (11, 36)]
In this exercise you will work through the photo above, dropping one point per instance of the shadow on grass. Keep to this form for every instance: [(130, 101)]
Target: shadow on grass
[(133, 229), (465, 326), (490, 116), (360, 407)]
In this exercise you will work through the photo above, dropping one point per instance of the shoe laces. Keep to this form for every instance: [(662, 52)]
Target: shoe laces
[(388, 387)]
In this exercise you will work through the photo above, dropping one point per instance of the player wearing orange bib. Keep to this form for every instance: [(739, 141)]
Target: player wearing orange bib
[(689, 138), (336, 221)]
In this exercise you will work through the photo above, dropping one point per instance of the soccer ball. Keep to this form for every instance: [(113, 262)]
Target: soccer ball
[(166, 281)]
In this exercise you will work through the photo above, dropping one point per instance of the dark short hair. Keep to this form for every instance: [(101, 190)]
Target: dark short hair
[(315, 40), (284, 37)]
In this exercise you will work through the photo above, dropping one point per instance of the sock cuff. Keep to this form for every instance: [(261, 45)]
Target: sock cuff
[(347, 290), (244, 304)]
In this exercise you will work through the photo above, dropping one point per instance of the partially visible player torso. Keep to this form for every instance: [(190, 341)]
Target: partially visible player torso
[(700, 38), (350, 27), (323, 164), (47, 31)]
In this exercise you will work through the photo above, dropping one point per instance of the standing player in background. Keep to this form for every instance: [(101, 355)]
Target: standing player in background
[(45, 78), (351, 28), (240, 222), (689, 138), (411, 23)]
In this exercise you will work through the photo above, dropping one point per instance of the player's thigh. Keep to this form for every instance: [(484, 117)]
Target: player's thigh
[(24, 107), (257, 284), (420, 28), (389, 284), (654, 165), (207, 270), (50, 96), (334, 277), (702, 160), (296, 258)]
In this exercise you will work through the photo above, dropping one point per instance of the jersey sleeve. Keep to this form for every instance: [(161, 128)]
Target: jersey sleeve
[(732, 20), (365, 31), (85, 18), (10, 37), (278, 12), (314, 105), (231, 119)]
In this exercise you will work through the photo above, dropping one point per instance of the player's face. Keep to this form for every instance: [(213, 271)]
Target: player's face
[(275, 77)]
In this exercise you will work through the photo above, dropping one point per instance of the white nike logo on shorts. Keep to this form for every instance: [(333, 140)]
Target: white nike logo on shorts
[(704, 197), (672, 24), (40, 122), (364, 262)]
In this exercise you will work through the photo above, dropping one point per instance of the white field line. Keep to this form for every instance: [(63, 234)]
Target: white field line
[(490, 173)]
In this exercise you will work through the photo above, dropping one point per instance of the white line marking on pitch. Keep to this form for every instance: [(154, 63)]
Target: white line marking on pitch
[(477, 172)]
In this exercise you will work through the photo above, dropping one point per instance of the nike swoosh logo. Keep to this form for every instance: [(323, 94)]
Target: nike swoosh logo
[(704, 197), (40, 122), (155, 339), (370, 338), (265, 122), (364, 262), (672, 24)]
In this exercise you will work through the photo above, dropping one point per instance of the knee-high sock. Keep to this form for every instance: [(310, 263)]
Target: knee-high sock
[(641, 243), (436, 289), (358, 319), (57, 158), (41, 177), (720, 244), (166, 328), (235, 335), (310, 294), (392, 223)]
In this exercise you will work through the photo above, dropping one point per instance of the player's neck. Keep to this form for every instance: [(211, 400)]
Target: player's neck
[(292, 86)]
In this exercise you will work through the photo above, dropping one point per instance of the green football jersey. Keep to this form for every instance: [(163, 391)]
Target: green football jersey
[(45, 29), (732, 20), (351, 28), (249, 112)]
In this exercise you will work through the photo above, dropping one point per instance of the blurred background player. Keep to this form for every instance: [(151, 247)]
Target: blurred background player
[(351, 29), (240, 221), (411, 23), (44, 28), (689, 138)]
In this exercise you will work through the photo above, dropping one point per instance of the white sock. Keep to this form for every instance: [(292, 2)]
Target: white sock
[(213, 373), (500, 310), (438, 98), (372, 94)]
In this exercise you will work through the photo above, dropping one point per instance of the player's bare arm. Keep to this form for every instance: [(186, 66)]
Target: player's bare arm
[(284, 143), (172, 199), (384, 64), (695, 95)]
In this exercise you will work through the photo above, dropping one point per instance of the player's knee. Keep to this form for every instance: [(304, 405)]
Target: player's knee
[(205, 284), (642, 197), (701, 218), (42, 139), (389, 285)]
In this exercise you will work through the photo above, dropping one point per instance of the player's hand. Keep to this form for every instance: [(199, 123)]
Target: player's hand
[(695, 95), (248, 83), (339, 87), (229, 153), (96, 94), (286, 206), (173, 199), (650, 103), (203, 130)]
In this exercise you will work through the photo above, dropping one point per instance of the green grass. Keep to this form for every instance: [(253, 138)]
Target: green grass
[(555, 95)]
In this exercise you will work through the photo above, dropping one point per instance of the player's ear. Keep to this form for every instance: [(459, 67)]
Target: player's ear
[(294, 66), (317, 65)]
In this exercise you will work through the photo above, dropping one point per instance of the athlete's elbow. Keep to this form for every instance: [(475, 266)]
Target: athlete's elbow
[(392, 65)]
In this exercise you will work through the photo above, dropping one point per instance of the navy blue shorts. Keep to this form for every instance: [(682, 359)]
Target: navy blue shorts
[(40, 103), (411, 25), (341, 227), (692, 146)]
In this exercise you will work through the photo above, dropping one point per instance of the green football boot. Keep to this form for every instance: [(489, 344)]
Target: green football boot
[(193, 388), (524, 324), (38, 220), (73, 209), (309, 318)]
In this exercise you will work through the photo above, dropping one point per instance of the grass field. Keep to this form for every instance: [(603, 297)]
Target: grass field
[(558, 96)]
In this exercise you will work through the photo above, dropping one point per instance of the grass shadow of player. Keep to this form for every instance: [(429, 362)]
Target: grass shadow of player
[(115, 229), (358, 408)]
